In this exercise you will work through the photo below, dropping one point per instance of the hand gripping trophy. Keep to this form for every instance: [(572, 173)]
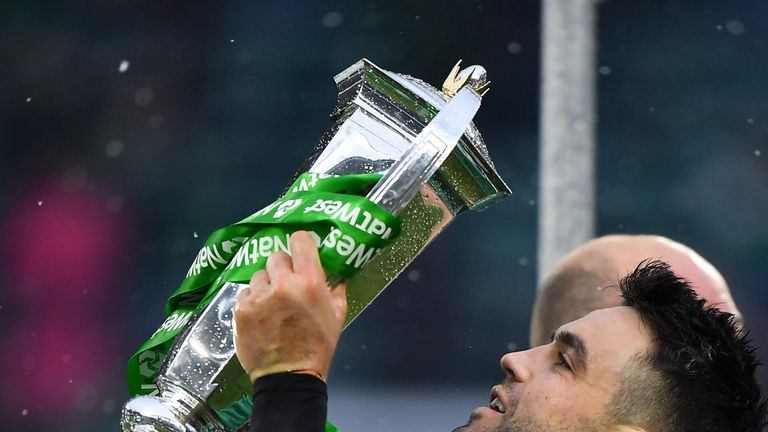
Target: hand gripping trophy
[(429, 163)]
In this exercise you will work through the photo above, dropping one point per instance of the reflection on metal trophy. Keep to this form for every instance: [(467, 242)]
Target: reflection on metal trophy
[(435, 166)]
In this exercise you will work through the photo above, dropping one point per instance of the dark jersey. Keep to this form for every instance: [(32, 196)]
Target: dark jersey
[(287, 402)]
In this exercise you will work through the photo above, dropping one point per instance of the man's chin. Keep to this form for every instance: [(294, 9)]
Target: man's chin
[(482, 419)]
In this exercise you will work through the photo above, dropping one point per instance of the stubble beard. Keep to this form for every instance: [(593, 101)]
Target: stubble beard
[(529, 424), (512, 424), (520, 422), (509, 423)]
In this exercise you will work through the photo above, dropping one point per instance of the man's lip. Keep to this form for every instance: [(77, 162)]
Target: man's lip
[(485, 411), (496, 392)]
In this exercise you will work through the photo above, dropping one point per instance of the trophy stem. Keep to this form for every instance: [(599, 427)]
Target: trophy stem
[(174, 410)]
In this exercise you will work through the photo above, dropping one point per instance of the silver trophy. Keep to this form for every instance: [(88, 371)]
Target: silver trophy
[(435, 166)]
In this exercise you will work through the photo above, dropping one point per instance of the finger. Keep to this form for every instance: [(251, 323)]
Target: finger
[(243, 296), (279, 263), (258, 288), (339, 295), (259, 278), (306, 259)]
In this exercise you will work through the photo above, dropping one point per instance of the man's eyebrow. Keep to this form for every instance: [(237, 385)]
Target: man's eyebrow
[(574, 342)]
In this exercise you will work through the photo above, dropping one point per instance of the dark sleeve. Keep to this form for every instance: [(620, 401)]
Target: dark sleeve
[(288, 402)]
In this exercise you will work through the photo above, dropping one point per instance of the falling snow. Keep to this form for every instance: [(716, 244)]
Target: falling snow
[(155, 121), (332, 20), (194, 234), (144, 96), (124, 66), (414, 275), (514, 48), (115, 203), (735, 27), (74, 179), (114, 148), (108, 406)]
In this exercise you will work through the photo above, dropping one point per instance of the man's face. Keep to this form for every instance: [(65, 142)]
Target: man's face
[(565, 385)]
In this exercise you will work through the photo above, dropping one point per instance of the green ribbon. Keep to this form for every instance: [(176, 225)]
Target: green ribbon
[(350, 229)]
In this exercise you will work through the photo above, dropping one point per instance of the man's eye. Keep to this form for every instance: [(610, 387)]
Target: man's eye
[(562, 362)]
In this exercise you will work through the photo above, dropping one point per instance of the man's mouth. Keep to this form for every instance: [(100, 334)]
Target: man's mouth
[(496, 403)]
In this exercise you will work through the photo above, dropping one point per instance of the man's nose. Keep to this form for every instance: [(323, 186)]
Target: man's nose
[(517, 365)]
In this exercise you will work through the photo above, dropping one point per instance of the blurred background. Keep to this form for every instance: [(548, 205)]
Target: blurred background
[(129, 130)]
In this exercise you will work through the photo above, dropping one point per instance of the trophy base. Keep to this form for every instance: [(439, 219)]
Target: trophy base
[(174, 410)]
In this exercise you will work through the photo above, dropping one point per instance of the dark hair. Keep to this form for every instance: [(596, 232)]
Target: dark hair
[(699, 374)]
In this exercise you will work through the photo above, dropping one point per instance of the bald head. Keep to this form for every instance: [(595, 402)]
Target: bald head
[(586, 279)]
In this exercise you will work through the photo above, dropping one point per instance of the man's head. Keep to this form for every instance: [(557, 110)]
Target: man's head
[(661, 361), (585, 280)]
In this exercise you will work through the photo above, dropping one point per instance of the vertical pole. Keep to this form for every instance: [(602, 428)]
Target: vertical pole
[(567, 130)]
